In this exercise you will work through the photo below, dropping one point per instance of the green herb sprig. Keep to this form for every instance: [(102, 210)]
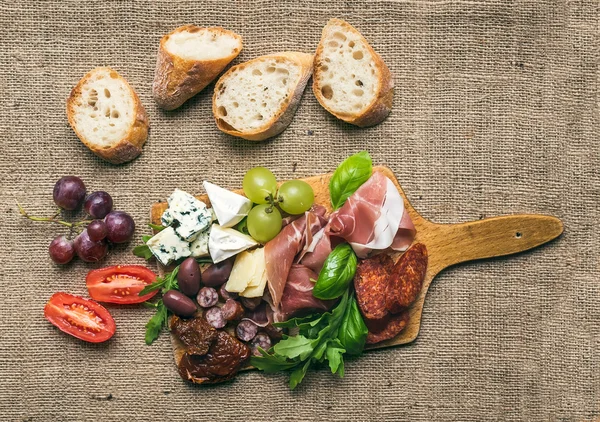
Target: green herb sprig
[(320, 338), (160, 319)]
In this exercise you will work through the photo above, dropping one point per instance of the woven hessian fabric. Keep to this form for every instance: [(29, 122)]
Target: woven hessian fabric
[(495, 112)]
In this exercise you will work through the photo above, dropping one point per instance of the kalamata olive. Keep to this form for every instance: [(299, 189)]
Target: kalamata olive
[(217, 274), (189, 277), (179, 304)]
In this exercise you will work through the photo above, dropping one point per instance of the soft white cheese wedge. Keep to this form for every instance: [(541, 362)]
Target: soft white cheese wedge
[(230, 207), (225, 242), (167, 247)]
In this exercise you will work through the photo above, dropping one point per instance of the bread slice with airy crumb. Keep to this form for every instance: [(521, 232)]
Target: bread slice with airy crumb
[(107, 116), (189, 58), (257, 99), (351, 81)]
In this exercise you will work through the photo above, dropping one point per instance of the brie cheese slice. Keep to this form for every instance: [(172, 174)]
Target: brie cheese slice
[(230, 207), (226, 242)]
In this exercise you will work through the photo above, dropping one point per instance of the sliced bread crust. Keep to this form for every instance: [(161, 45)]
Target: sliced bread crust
[(107, 116), (188, 59), (351, 81), (274, 85)]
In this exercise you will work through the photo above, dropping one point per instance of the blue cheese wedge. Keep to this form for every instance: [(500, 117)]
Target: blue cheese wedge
[(187, 215), (229, 207), (226, 242), (167, 247), (199, 247)]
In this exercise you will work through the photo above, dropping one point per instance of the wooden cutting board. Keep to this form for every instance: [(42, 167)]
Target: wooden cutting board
[(447, 244)]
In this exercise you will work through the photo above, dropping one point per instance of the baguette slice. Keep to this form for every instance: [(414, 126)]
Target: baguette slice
[(107, 116), (189, 58), (257, 99), (351, 80)]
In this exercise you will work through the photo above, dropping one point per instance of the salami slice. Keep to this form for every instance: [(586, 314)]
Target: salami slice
[(246, 330), (407, 279), (387, 327), (214, 316), (232, 310), (371, 283), (260, 340), (207, 297)]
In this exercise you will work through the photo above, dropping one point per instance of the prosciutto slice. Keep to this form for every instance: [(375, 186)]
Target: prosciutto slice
[(372, 216), (297, 296), (281, 251)]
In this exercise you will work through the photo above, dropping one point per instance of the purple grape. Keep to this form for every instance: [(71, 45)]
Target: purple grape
[(61, 250), (97, 230), (69, 192), (120, 226), (98, 204), (88, 250)]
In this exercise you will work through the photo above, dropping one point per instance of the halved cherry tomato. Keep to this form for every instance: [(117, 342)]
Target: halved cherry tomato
[(120, 284), (79, 317)]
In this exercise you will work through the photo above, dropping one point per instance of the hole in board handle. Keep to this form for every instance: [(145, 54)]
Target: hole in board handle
[(518, 235)]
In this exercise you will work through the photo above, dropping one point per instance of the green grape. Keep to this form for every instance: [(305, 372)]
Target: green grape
[(296, 197), (258, 184), (264, 222)]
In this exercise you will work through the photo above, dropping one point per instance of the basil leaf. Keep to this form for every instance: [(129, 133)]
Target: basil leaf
[(146, 238), (353, 330), (156, 323), (143, 251), (337, 273), (156, 227), (347, 178), (242, 226)]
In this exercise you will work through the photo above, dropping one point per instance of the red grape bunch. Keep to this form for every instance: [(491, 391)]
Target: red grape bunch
[(106, 227)]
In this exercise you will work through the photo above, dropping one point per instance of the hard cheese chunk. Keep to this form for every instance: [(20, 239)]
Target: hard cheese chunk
[(226, 242), (248, 275), (187, 215), (230, 207), (167, 247), (199, 247)]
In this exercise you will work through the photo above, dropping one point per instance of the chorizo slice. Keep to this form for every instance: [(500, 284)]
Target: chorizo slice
[(371, 283), (406, 279), (387, 327)]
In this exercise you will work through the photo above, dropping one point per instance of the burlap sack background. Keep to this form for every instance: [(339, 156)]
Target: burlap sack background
[(496, 112)]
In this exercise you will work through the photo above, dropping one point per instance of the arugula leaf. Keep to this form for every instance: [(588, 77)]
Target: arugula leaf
[(143, 251), (335, 353), (347, 178), (157, 227), (271, 363), (318, 334), (337, 273), (156, 323), (298, 375), (353, 330), (160, 319), (293, 347)]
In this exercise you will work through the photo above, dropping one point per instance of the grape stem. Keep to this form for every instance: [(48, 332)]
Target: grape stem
[(52, 219)]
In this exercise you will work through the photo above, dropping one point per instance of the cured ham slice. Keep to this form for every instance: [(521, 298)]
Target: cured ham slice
[(405, 234), (297, 296), (318, 251), (372, 216), (281, 251)]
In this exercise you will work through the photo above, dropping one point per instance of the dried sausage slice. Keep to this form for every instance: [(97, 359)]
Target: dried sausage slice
[(246, 330), (386, 328), (207, 297), (407, 279), (214, 316), (232, 310), (371, 283)]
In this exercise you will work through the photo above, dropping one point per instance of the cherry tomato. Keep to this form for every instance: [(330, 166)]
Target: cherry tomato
[(120, 284), (79, 317)]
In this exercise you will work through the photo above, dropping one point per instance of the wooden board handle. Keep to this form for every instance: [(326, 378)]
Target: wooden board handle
[(490, 237)]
